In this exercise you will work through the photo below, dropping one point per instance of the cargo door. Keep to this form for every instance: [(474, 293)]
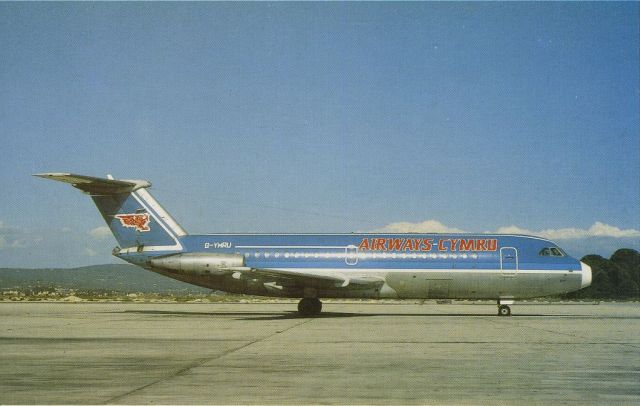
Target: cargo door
[(351, 255)]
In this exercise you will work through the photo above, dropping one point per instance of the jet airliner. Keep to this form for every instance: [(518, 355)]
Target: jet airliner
[(500, 267)]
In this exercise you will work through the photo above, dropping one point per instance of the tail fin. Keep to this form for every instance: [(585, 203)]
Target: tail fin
[(135, 218)]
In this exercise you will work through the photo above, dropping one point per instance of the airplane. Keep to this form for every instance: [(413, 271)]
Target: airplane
[(500, 267)]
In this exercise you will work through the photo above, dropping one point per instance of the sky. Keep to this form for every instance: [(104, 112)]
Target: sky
[(322, 117)]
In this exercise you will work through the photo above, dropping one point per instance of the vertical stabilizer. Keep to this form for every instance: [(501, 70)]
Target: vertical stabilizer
[(135, 218)]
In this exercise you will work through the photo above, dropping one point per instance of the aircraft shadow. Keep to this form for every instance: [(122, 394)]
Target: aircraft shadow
[(289, 314), (331, 315), (266, 316), (253, 315)]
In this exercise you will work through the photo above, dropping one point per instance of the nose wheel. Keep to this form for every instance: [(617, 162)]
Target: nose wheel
[(504, 310), (309, 307)]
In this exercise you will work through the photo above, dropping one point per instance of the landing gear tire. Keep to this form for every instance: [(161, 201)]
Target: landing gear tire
[(309, 307), (504, 310)]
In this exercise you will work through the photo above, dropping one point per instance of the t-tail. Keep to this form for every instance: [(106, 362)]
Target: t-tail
[(135, 218)]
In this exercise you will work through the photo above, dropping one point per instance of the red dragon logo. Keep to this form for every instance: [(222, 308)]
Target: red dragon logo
[(138, 221)]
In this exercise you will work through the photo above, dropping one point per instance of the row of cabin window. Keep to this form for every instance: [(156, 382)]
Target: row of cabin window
[(360, 255)]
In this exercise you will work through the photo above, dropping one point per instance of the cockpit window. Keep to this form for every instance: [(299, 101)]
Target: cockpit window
[(551, 251), (556, 252)]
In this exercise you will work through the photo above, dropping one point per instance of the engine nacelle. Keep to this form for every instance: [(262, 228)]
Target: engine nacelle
[(199, 263)]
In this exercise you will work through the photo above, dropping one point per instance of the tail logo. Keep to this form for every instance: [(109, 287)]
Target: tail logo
[(139, 221)]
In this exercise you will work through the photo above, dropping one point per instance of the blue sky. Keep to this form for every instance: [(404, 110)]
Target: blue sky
[(322, 117)]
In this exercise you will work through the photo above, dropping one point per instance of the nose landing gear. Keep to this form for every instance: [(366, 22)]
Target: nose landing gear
[(503, 306), (504, 310), (309, 307)]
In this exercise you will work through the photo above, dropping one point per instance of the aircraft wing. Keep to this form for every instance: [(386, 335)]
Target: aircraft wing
[(305, 279), (233, 264)]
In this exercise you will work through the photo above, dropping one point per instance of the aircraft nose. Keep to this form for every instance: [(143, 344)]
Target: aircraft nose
[(586, 275)]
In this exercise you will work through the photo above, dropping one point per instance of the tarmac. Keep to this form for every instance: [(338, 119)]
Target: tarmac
[(262, 353)]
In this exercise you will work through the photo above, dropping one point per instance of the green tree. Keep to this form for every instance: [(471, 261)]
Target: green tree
[(629, 262), (601, 284), (614, 278)]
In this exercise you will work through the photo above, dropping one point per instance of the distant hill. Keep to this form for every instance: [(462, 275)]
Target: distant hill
[(112, 277)]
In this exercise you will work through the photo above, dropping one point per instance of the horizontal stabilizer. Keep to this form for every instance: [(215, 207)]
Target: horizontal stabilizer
[(97, 186)]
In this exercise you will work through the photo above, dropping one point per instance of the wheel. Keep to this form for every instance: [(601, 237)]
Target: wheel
[(309, 307), (504, 310)]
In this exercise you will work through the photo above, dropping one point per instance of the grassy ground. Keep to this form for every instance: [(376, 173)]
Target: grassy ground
[(71, 295)]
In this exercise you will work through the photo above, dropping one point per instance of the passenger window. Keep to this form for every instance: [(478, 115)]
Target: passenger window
[(545, 252)]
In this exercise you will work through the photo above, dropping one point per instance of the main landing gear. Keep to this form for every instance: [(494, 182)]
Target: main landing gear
[(309, 307)]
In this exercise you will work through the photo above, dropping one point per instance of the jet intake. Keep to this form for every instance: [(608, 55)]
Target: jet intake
[(200, 263)]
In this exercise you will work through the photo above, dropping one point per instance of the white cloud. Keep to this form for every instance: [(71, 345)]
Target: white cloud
[(18, 244), (428, 226), (513, 230), (9, 237), (598, 229), (90, 252), (100, 233), (5, 229)]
